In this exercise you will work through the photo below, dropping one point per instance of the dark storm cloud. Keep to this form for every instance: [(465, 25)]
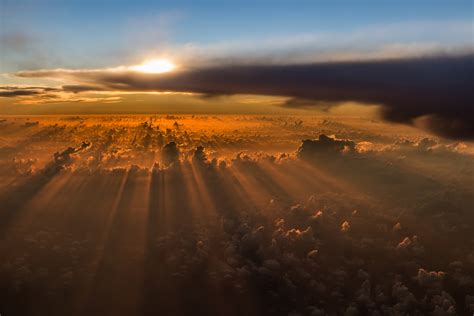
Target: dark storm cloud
[(435, 91)]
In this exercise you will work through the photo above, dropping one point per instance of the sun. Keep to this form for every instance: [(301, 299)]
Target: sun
[(155, 66)]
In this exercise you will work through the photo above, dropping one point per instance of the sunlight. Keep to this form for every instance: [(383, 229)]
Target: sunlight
[(155, 66)]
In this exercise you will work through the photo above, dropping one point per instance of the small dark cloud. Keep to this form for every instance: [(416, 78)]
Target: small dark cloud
[(324, 146), (307, 103), (15, 91)]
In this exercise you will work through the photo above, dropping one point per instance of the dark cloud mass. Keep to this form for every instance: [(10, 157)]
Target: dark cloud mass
[(437, 91)]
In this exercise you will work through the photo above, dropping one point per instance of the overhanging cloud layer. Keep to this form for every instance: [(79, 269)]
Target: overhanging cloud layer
[(433, 92)]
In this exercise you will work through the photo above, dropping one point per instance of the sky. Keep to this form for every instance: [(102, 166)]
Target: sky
[(88, 33), (97, 53)]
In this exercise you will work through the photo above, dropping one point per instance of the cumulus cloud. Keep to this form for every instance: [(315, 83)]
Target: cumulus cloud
[(433, 93), (324, 145), (65, 156), (170, 153), (429, 278), (345, 226)]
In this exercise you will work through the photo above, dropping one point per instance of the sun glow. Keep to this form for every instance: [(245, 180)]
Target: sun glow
[(155, 66)]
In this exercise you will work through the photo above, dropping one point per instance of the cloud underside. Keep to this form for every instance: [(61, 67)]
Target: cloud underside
[(434, 93)]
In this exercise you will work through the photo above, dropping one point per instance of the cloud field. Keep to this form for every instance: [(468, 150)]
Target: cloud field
[(235, 215)]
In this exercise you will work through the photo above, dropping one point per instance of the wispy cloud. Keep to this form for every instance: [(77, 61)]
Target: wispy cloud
[(400, 40), (49, 95)]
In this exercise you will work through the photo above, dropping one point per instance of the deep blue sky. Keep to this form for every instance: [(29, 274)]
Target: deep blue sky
[(69, 33)]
